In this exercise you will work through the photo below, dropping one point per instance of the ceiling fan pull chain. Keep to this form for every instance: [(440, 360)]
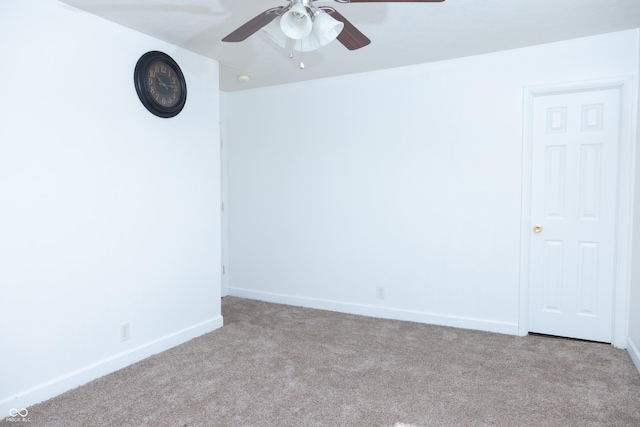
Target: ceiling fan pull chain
[(301, 63)]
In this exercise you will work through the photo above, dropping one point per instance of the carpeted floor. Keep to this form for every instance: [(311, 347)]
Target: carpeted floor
[(277, 365)]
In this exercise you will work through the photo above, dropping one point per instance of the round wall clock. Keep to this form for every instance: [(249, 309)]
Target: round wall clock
[(160, 84)]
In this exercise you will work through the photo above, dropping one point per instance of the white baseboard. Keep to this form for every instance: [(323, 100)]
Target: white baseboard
[(381, 312), (633, 352), (59, 385)]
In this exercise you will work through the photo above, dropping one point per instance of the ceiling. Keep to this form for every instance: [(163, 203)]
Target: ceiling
[(401, 33)]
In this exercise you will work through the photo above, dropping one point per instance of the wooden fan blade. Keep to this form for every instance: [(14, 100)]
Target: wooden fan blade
[(350, 36), (250, 27)]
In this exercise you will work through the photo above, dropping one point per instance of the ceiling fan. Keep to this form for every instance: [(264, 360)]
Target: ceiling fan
[(303, 22)]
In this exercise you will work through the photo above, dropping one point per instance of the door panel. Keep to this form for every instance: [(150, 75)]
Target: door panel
[(575, 138)]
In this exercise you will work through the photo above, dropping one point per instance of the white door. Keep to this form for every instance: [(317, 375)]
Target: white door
[(575, 138)]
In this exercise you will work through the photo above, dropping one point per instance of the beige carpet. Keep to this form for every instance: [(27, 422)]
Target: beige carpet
[(277, 365)]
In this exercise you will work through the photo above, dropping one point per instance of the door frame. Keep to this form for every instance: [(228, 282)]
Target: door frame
[(224, 198), (624, 211)]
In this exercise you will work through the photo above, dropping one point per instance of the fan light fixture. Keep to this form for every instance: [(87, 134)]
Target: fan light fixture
[(305, 26)]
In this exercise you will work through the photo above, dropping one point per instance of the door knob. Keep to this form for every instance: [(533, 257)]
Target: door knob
[(537, 228)]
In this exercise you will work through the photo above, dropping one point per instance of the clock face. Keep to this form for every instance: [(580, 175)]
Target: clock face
[(160, 84)]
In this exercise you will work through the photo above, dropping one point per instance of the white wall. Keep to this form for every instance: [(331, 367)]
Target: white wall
[(634, 315), (108, 214), (407, 179)]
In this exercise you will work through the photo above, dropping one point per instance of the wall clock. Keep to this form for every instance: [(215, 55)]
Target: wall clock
[(160, 84)]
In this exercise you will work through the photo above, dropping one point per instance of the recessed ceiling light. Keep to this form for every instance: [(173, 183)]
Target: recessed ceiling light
[(243, 78)]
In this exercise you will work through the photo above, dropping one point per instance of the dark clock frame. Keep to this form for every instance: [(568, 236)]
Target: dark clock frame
[(144, 90)]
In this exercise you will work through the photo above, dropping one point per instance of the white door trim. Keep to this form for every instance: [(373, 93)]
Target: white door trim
[(626, 168), (224, 198)]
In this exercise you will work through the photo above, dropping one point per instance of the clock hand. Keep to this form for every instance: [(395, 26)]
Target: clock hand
[(163, 84)]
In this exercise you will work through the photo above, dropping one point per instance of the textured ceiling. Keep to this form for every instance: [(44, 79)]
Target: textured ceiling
[(401, 33)]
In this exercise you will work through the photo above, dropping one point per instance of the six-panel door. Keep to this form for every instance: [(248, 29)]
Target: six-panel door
[(574, 180)]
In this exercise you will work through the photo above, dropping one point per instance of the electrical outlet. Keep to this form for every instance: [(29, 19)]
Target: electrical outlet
[(125, 332), (380, 292)]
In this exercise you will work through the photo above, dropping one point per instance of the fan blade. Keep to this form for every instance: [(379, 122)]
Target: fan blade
[(389, 1), (250, 27), (350, 36)]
